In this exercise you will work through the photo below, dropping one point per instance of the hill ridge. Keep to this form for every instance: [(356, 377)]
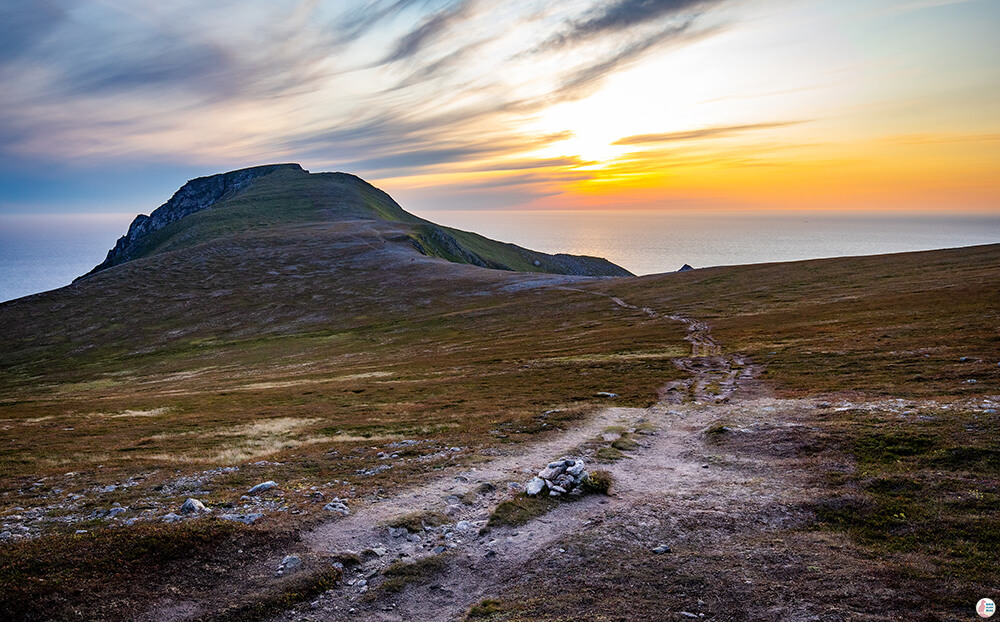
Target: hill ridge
[(272, 195), (195, 195)]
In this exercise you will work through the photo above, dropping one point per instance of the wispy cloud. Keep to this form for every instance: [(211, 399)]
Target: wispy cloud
[(379, 87), (24, 24), (433, 27), (626, 14), (707, 132)]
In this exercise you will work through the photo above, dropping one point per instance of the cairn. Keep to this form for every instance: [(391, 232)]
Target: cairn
[(562, 477)]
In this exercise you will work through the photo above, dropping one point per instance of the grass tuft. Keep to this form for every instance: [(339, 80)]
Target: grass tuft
[(608, 454), (487, 609), (416, 521), (625, 444), (599, 482), (520, 510), (400, 574)]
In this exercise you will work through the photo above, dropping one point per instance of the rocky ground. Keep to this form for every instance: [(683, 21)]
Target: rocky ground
[(692, 528)]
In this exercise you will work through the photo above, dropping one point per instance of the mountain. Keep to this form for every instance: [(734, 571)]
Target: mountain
[(276, 195)]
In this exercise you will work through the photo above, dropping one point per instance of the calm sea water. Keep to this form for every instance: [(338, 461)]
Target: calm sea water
[(43, 252), (651, 243)]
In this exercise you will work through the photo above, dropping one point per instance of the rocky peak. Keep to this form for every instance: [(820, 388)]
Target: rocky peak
[(194, 196)]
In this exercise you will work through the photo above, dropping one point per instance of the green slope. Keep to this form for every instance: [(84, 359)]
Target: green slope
[(289, 196)]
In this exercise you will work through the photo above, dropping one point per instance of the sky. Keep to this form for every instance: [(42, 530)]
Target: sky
[(108, 106)]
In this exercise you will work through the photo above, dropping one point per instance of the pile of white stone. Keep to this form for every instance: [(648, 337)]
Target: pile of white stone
[(562, 477)]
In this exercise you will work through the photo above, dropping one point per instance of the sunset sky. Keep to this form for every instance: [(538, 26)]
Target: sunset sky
[(110, 105)]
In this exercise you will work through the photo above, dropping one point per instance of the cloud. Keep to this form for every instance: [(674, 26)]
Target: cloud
[(626, 14), (378, 87), (618, 17), (424, 153), (708, 132), (432, 27), (584, 80), (24, 24)]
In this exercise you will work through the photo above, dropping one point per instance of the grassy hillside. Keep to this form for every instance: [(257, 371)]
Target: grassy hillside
[(306, 352), (291, 197)]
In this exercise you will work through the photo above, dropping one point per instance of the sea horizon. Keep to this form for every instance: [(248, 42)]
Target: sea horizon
[(48, 251)]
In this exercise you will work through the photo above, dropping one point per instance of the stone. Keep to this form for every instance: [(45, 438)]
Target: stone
[(380, 551), (559, 489), (171, 518), (397, 532), (336, 505), (663, 548), (552, 472), (576, 468), (439, 549), (289, 563), (193, 506), (463, 525), (113, 512), (246, 519), (534, 487), (268, 485), (605, 394)]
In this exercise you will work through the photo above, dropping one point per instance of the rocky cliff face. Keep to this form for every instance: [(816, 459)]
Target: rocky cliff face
[(195, 195)]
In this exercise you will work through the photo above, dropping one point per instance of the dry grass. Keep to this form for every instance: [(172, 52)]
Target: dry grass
[(318, 347)]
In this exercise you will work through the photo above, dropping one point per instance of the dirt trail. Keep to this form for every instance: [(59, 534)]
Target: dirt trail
[(669, 465)]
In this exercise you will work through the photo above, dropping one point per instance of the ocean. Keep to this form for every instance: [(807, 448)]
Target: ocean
[(42, 252)]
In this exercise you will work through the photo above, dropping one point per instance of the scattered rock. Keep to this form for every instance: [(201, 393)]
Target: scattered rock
[(290, 563), (486, 488), (193, 506), (246, 519), (171, 518), (663, 548), (113, 512), (439, 549), (534, 487), (463, 525), (337, 505), (268, 485), (380, 551), (397, 532)]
